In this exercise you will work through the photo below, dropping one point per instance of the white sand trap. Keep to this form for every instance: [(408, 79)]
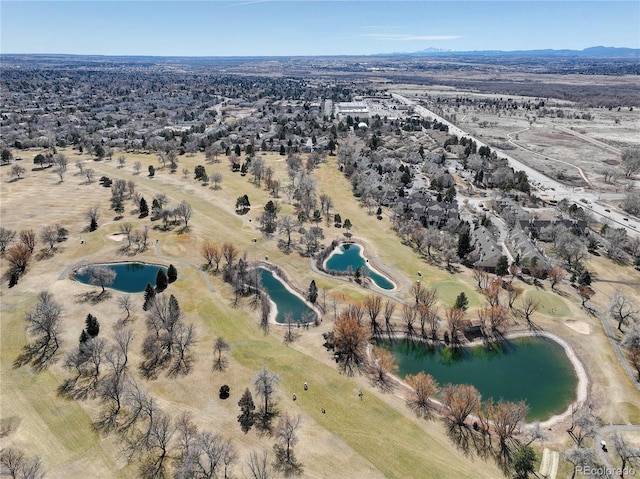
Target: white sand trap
[(117, 237), (579, 326)]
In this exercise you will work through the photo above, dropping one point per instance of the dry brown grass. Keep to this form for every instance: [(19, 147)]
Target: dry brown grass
[(376, 438)]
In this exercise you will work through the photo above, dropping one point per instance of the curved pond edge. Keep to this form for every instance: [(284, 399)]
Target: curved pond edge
[(371, 262), (281, 275), (582, 388), (72, 270)]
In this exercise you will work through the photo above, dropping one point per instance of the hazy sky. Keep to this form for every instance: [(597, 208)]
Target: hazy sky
[(247, 28)]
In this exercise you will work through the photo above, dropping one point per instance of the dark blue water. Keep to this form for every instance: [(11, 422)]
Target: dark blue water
[(130, 277), (350, 255), (533, 370), (286, 302)]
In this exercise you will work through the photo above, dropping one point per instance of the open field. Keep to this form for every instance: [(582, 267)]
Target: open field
[(380, 437), (556, 139), (376, 437)]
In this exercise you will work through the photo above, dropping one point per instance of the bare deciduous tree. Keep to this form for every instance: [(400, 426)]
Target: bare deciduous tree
[(19, 256), (229, 252), (409, 315), (29, 239), (454, 318), (184, 210), (579, 457), (6, 237), (17, 171), (183, 340), (265, 383), (14, 464), (43, 322), (286, 437), (99, 275), (586, 293), (630, 161), (49, 235), (60, 161), (373, 305), (529, 306), (381, 366), (351, 339), (482, 278), (507, 418), (126, 305), (220, 346), (460, 401), (216, 180), (628, 452), (92, 214), (622, 308), (259, 465), (89, 174), (212, 253), (286, 225), (160, 432), (424, 387), (389, 308), (584, 424)]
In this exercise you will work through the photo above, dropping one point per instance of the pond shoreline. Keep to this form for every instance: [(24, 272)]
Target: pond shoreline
[(582, 386), (369, 261), (280, 275), (71, 272)]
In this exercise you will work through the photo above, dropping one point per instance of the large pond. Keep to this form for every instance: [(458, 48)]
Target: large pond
[(533, 370), (349, 256), (130, 277), (285, 301)]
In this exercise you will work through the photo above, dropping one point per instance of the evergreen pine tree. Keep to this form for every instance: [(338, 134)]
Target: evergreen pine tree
[(502, 267), (247, 408), (94, 225), (584, 278), (144, 208), (149, 295), (92, 326), (462, 302), (161, 280), (313, 292), (464, 244), (172, 273), (174, 308)]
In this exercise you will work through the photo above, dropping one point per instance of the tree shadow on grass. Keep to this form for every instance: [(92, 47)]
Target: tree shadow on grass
[(46, 254), (93, 297), (469, 441)]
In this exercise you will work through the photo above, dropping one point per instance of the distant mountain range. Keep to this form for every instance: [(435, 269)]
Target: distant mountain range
[(598, 51)]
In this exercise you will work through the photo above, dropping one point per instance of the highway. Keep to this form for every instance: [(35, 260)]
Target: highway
[(552, 188)]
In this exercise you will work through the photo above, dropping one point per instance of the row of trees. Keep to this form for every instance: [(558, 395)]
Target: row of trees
[(20, 253), (351, 339)]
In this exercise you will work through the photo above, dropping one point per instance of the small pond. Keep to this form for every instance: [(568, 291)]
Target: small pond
[(349, 255), (130, 277), (533, 370), (285, 300)]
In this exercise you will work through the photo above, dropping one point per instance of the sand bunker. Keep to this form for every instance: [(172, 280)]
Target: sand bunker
[(579, 326), (117, 237)]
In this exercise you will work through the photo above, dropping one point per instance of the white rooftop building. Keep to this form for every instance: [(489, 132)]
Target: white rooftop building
[(353, 108)]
